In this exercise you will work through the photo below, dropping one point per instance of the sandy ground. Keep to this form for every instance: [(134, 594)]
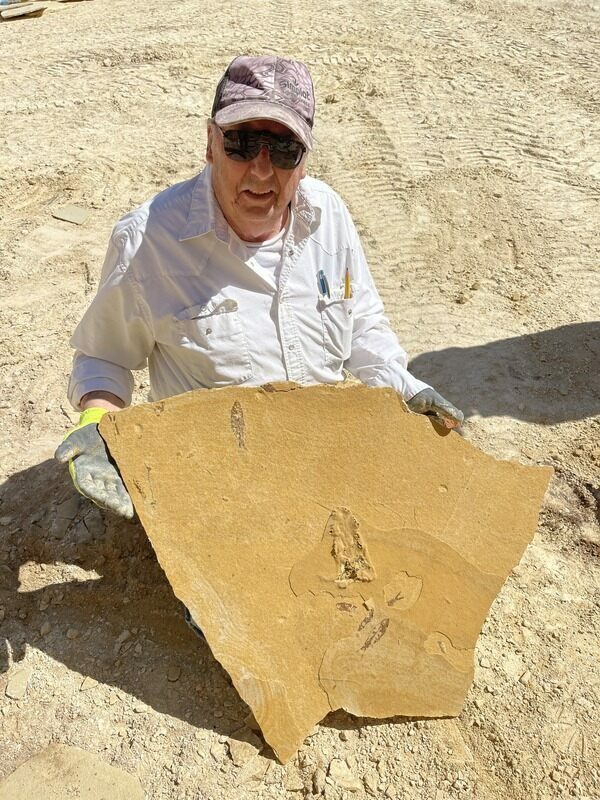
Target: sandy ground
[(464, 136)]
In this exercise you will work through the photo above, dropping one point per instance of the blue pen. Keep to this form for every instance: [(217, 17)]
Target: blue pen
[(323, 283)]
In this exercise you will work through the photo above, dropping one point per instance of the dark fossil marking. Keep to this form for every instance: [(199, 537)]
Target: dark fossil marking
[(376, 634), (238, 425)]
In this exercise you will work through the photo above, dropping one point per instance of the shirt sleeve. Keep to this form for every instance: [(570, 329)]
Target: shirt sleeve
[(114, 336), (376, 358)]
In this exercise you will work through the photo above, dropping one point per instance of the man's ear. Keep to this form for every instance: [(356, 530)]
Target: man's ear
[(209, 142), (303, 170)]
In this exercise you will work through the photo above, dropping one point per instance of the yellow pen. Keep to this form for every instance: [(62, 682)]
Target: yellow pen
[(347, 285)]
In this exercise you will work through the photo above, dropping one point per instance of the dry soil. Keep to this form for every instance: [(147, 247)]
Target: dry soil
[(464, 137)]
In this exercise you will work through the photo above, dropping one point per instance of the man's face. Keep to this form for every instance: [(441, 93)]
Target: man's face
[(253, 195)]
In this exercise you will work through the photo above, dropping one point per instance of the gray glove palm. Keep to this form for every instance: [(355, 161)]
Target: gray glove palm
[(428, 401), (92, 471)]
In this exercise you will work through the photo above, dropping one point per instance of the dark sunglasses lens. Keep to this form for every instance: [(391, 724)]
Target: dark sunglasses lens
[(236, 146), (285, 153), (287, 156)]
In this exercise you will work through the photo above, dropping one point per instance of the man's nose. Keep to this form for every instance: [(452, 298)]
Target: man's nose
[(261, 164)]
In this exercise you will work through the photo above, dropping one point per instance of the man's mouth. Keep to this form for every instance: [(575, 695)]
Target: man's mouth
[(261, 195)]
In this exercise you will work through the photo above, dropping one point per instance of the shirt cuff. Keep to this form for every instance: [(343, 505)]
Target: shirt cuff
[(96, 375), (399, 378)]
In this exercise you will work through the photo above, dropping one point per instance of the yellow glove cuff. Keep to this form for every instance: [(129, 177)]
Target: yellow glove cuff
[(90, 416)]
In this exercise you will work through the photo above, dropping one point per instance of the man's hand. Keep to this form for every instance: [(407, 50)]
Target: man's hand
[(93, 473), (428, 401)]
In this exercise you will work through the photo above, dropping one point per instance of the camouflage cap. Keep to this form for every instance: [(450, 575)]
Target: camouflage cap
[(267, 87)]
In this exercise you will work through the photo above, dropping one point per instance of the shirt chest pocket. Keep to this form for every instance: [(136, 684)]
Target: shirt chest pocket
[(214, 344), (337, 323)]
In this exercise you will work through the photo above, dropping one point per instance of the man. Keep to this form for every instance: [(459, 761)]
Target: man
[(249, 273)]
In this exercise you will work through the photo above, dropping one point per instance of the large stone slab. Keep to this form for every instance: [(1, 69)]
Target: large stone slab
[(60, 771), (336, 550)]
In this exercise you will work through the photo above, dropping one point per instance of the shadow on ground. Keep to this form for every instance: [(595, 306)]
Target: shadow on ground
[(546, 377), (47, 533)]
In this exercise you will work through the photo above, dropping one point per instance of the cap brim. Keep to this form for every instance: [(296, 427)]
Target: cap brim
[(246, 110)]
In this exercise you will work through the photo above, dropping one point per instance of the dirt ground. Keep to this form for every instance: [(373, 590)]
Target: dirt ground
[(464, 137)]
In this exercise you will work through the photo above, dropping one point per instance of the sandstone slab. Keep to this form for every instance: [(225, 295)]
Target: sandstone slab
[(336, 550)]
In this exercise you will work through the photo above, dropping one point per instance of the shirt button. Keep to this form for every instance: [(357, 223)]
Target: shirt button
[(291, 347), (208, 330)]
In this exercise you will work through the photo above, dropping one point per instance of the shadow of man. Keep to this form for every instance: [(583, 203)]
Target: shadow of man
[(85, 587), (545, 377)]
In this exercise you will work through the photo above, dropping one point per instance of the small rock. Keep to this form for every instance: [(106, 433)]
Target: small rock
[(173, 673), (87, 683), (371, 782), (243, 750), (94, 523), (18, 683), (475, 285), (340, 772), (140, 708), (216, 751), (69, 508), (318, 781), (555, 775), (59, 527), (82, 534), (46, 628), (485, 663), (330, 98), (44, 603), (571, 770), (107, 62), (344, 736), (121, 639), (72, 633), (292, 780), (253, 770), (525, 678), (461, 299)]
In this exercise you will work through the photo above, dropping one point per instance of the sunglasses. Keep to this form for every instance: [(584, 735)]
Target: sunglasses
[(285, 152)]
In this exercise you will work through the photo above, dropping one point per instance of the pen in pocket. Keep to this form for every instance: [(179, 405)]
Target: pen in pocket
[(323, 284)]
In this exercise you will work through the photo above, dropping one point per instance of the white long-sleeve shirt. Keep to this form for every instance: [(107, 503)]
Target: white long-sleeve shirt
[(173, 294)]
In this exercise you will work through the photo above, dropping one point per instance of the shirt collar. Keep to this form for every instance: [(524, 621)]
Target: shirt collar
[(205, 214)]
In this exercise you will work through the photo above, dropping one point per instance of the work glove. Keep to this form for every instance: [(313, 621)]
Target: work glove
[(430, 402), (93, 472)]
